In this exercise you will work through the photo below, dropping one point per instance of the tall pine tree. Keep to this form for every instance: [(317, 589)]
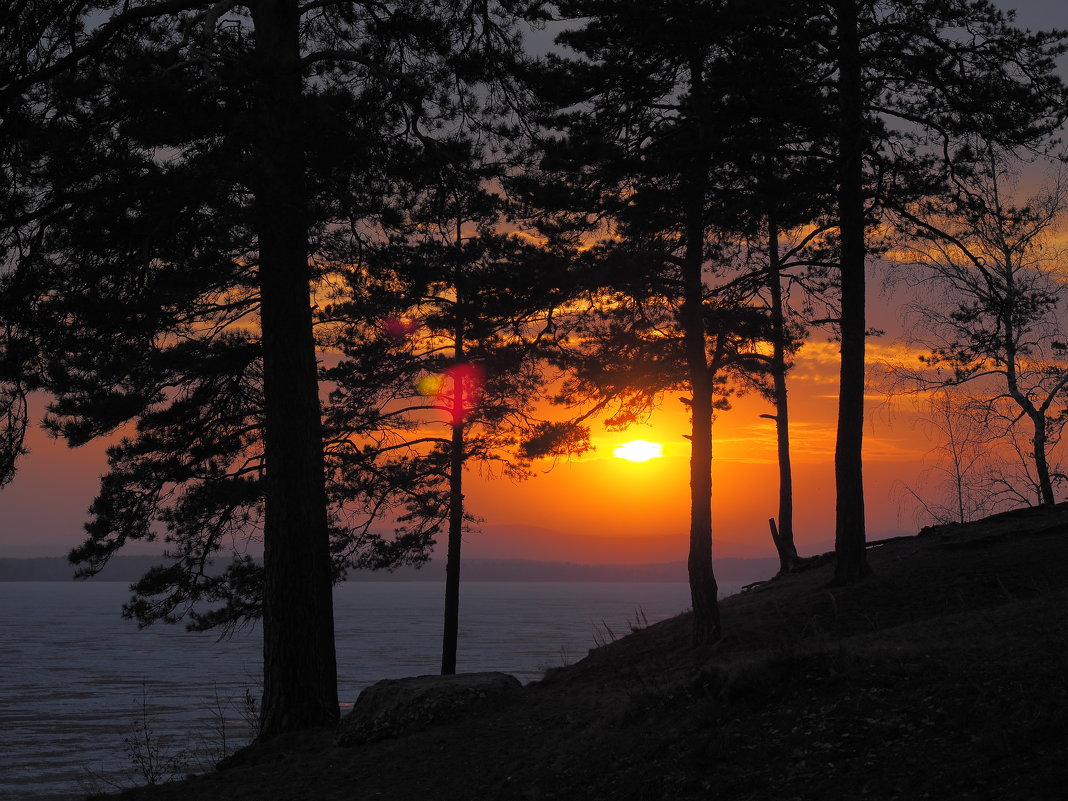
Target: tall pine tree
[(650, 160), (906, 82), (192, 158), (447, 371)]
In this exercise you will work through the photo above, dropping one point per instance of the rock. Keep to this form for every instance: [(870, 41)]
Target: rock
[(397, 706)]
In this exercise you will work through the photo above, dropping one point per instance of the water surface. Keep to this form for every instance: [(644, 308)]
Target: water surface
[(78, 679)]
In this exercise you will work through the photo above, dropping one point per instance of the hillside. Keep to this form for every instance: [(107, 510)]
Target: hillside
[(944, 675)]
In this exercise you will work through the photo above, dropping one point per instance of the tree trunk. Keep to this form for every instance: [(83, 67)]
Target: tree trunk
[(784, 541), (1045, 483), (1010, 310), (456, 473), (299, 664), (456, 522), (704, 592), (849, 545), (956, 455)]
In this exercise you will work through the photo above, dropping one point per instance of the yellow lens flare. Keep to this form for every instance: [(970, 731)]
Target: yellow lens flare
[(639, 450)]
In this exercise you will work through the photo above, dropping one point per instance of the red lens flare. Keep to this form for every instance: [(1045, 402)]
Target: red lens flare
[(457, 390)]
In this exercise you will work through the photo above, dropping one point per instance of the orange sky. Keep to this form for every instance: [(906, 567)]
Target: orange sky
[(625, 505), (601, 509), (596, 508)]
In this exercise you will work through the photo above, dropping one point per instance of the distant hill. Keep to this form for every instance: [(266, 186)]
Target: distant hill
[(57, 568), (533, 570), (542, 543), (131, 568)]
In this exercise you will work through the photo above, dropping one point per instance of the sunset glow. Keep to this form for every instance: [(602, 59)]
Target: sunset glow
[(639, 450)]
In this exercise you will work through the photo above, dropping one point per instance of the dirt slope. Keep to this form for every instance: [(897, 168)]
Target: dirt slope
[(943, 676)]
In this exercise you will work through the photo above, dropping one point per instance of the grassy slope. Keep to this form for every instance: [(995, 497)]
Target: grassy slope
[(943, 676)]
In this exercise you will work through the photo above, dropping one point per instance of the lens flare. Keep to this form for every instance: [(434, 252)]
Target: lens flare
[(467, 378), (430, 386)]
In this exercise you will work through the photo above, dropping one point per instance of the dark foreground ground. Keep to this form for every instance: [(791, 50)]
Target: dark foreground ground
[(943, 676)]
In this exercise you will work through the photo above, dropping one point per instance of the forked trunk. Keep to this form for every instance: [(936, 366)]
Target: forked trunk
[(299, 664), (1045, 483)]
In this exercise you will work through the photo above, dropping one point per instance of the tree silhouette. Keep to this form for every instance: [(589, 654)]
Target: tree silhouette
[(996, 332), (449, 371), (193, 158), (23, 51), (794, 260), (961, 484), (649, 161), (906, 82), (17, 378), (13, 422), (779, 144), (693, 125)]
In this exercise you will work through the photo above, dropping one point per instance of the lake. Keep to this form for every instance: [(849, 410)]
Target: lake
[(78, 679)]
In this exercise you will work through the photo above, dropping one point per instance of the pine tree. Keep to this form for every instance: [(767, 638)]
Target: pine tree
[(453, 353), (194, 158), (646, 161), (907, 81)]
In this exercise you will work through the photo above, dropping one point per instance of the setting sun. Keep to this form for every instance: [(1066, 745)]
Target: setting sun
[(639, 450)]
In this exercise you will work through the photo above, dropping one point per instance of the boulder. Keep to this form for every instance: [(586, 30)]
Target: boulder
[(396, 706)]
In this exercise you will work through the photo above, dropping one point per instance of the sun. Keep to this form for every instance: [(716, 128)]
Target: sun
[(639, 450)]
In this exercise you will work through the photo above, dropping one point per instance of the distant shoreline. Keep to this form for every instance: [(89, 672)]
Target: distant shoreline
[(131, 568)]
